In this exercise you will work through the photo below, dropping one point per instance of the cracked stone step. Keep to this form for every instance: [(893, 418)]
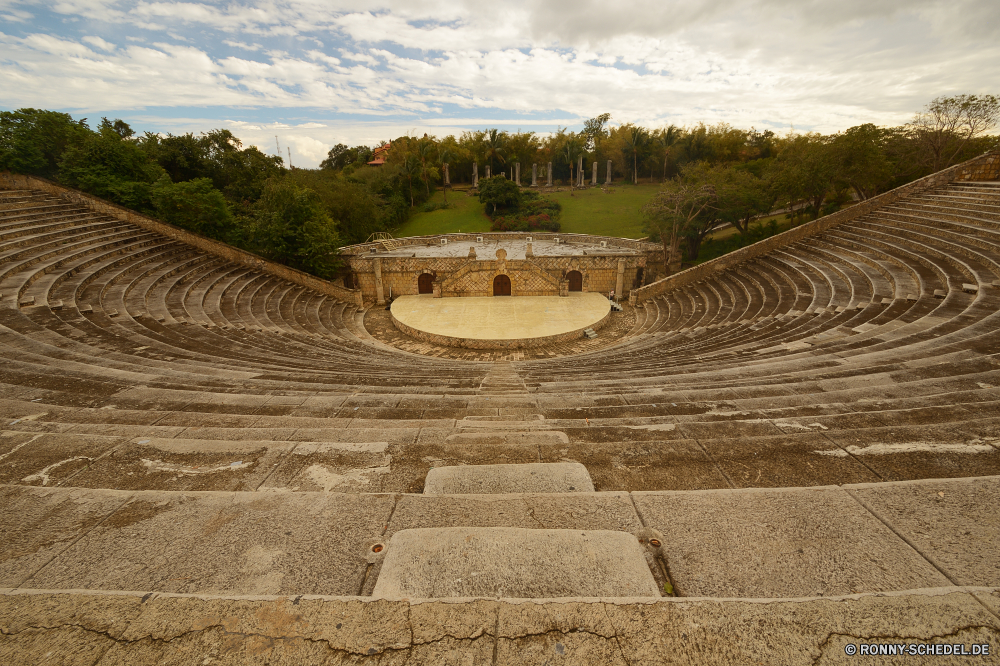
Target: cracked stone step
[(500, 479), (513, 563)]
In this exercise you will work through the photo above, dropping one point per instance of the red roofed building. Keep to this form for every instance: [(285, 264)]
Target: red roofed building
[(379, 155)]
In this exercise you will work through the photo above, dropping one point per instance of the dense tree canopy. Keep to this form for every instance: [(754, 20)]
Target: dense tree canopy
[(711, 175)]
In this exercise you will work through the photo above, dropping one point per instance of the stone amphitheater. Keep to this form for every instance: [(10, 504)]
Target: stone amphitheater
[(777, 457)]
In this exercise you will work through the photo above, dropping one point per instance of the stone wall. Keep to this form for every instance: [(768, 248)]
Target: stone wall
[(473, 276), (493, 236), (11, 181), (984, 167), (463, 276)]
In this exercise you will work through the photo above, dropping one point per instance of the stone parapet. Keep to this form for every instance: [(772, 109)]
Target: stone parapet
[(984, 167), (216, 248), (638, 245)]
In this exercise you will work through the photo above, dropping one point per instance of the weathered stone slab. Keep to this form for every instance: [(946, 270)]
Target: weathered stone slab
[(44, 627), (491, 439), (49, 459), (901, 453), (65, 629), (813, 631), (674, 464), (784, 461), (232, 543), (954, 523), (513, 563), (334, 467), (780, 543), (584, 511), (494, 479), (37, 524), (185, 464)]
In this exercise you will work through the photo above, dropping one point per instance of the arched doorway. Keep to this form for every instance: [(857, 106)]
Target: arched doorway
[(349, 281), (425, 284), (501, 285), (575, 280)]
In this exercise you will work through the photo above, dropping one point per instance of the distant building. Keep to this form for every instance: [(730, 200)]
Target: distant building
[(380, 154)]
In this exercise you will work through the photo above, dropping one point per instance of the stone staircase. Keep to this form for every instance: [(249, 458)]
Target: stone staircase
[(790, 456)]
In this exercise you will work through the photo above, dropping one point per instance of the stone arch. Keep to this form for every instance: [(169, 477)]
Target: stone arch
[(575, 280), (501, 285), (425, 283)]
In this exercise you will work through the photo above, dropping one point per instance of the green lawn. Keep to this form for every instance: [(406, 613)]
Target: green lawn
[(584, 212), (466, 214)]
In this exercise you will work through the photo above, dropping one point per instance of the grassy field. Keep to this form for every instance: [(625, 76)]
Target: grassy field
[(584, 212)]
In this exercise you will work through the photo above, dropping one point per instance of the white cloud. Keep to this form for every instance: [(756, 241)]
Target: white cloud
[(241, 45), (405, 65), (99, 43)]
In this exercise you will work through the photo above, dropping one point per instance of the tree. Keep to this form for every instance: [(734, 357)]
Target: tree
[(194, 205), (675, 211), (572, 150), (341, 156), (499, 192), (337, 157), (495, 146), (665, 139), (288, 224), (109, 164), (861, 160), (409, 166), (425, 152), (33, 141), (636, 140), (183, 157), (741, 196), (805, 171), (947, 125), (594, 130)]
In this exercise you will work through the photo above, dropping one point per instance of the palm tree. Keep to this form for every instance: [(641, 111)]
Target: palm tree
[(573, 148), (496, 146), (667, 137), (410, 166), (635, 141), (425, 149)]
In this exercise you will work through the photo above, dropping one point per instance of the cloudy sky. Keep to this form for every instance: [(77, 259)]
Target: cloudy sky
[(319, 72)]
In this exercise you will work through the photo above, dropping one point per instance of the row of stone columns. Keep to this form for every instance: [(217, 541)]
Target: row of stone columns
[(534, 174)]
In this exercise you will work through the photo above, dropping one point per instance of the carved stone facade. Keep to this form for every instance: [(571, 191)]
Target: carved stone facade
[(617, 265)]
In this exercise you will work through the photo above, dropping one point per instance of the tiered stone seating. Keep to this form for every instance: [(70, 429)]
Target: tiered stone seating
[(218, 460)]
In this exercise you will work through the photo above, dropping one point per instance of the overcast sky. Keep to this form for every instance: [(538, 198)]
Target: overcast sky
[(319, 72)]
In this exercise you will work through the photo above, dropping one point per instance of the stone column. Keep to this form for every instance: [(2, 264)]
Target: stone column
[(608, 181), (620, 284), (379, 293), (444, 168), (487, 170), (528, 253), (534, 175), (475, 174), (550, 174), (579, 171), (517, 173), (593, 175)]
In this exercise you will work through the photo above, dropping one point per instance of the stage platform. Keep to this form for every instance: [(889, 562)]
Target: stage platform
[(499, 322)]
